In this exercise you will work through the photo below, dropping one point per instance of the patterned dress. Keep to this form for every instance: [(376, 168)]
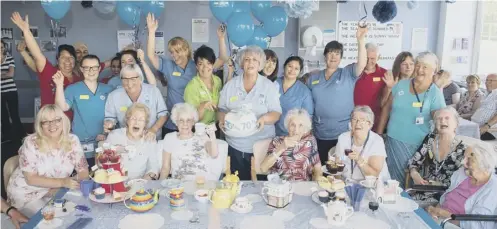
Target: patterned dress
[(425, 162), (465, 106), (52, 164), (296, 163)]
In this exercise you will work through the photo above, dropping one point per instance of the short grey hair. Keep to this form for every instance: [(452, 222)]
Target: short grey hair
[(487, 158), (300, 114), (372, 47), (137, 107), (428, 58), (182, 109), (366, 110), (132, 68), (254, 51), (449, 109)]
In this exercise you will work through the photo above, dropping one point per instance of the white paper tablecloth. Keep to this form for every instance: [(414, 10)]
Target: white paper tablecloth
[(468, 128)]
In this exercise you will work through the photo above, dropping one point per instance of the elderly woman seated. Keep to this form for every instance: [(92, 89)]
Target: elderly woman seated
[(360, 149), (140, 157), (185, 154), (46, 160), (471, 100), (294, 156), (440, 154), (471, 190)]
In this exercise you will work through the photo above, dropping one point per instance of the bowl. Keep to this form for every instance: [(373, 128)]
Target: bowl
[(202, 195)]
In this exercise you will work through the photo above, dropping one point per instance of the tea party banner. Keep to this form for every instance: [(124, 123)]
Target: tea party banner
[(388, 38)]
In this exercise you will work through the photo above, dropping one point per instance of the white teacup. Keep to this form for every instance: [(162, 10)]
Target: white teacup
[(392, 184), (242, 202), (200, 128), (370, 181)]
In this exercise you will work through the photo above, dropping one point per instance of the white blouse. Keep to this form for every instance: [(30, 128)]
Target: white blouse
[(374, 147), (140, 162)]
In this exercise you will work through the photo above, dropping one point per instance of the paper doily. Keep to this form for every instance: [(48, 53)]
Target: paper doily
[(261, 221), (144, 220), (182, 215), (319, 223), (304, 188), (254, 198), (284, 215), (55, 223)]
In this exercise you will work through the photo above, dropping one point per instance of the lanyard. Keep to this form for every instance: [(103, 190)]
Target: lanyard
[(417, 97), (437, 153), (207, 89), (362, 152)]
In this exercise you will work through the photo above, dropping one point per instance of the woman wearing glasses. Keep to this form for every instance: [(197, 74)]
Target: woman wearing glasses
[(471, 100), (360, 149), (46, 160), (87, 100), (186, 154), (129, 57), (134, 90)]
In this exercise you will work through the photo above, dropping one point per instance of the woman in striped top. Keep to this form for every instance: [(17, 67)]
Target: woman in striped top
[(10, 105)]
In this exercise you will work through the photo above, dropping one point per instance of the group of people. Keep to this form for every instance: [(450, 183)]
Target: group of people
[(310, 121)]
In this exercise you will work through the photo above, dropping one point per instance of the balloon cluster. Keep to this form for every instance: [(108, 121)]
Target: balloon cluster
[(241, 28), (130, 11)]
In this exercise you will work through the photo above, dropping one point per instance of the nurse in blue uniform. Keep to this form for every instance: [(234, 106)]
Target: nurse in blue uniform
[(179, 70), (333, 93), (293, 93), (87, 99)]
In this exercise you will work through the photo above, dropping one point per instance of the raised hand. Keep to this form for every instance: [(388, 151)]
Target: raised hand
[(389, 80), (221, 31), (140, 54), (58, 79), (152, 23), (361, 32), (23, 24)]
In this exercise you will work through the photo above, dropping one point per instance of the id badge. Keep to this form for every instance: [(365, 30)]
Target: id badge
[(420, 120), (88, 147)]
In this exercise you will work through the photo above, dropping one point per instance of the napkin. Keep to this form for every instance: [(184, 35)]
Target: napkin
[(356, 193)]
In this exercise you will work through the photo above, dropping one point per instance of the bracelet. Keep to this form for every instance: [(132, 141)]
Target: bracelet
[(8, 210), (489, 126)]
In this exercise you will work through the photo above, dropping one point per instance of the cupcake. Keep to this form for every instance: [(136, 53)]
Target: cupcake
[(99, 193), (331, 167), (340, 166)]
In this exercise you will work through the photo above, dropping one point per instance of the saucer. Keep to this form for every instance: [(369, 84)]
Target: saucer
[(236, 209), (363, 183)]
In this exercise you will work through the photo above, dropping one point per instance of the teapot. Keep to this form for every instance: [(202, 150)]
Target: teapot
[(337, 212), (277, 194), (142, 201), (232, 182)]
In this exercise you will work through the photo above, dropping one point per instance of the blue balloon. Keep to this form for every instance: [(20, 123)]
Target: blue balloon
[(56, 9), (240, 28), (154, 7), (259, 38), (129, 13), (242, 6), (275, 21), (259, 8), (222, 10)]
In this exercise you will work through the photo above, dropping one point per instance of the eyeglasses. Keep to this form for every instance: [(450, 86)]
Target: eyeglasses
[(93, 69), (51, 122), (132, 79), (362, 121), (188, 121)]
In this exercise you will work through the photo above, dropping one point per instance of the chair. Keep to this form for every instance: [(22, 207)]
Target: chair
[(259, 153), (10, 165)]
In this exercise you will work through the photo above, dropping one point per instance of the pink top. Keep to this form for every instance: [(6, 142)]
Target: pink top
[(455, 199)]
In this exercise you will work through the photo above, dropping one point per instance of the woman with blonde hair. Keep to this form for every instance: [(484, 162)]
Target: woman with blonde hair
[(140, 159), (46, 160), (411, 105), (471, 99), (179, 70), (294, 156)]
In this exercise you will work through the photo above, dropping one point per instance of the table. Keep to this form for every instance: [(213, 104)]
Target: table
[(468, 128), (108, 216)]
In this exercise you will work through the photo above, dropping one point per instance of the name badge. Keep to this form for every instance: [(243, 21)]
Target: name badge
[(420, 120), (376, 79), (233, 98), (123, 109), (315, 82), (417, 104), (88, 147), (84, 97), (176, 73)]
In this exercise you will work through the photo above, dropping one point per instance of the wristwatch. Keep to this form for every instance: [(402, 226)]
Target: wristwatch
[(154, 177), (489, 126)]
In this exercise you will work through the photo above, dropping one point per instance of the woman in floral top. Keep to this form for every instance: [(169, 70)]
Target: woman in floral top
[(295, 156), (46, 160), (471, 99), (440, 154)]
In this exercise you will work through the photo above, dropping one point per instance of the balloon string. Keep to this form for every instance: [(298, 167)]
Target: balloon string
[(269, 42), (362, 21)]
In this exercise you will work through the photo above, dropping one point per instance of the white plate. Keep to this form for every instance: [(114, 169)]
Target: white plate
[(402, 204), (123, 178), (325, 170), (315, 198), (108, 199), (363, 183), (241, 210)]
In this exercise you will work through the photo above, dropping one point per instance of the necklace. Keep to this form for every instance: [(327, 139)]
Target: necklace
[(453, 144)]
